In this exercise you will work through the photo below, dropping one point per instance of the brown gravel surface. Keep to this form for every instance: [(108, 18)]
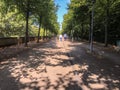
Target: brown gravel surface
[(59, 65)]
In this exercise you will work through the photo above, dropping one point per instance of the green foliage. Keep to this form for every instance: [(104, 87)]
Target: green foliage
[(106, 17), (13, 17)]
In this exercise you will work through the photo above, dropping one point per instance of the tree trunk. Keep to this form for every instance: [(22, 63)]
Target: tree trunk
[(44, 34), (82, 31), (38, 34), (47, 32), (72, 35), (106, 34), (90, 27), (40, 21), (107, 23), (27, 18)]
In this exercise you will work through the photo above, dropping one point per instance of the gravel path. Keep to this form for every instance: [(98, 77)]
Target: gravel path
[(59, 65)]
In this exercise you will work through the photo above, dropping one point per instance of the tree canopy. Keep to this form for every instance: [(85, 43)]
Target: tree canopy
[(22, 17), (106, 20)]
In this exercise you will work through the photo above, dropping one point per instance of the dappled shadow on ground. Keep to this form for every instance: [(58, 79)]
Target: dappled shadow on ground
[(97, 72), (27, 71), (41, 83), (73, 69), (14, 50)]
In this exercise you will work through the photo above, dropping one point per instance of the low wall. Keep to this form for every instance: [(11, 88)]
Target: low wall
[(7, 41)]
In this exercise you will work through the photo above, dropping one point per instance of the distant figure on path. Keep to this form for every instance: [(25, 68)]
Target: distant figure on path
[(65, 36), (60, 37)]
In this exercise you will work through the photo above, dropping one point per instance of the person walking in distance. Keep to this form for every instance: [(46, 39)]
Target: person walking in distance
[(60, 37), (65, 37)]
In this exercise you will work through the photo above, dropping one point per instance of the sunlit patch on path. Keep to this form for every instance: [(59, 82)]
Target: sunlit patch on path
[(58, 66)]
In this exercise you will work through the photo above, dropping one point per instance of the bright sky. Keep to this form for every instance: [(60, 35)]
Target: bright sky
[(62, 9)]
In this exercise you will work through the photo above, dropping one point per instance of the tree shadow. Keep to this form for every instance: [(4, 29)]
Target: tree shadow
[(28, 71), (98, 73), (10, 82)]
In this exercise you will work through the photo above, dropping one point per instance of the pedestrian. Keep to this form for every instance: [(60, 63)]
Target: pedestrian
[(65, 37), (60, 37)]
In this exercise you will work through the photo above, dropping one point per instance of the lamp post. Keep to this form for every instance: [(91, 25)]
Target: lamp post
[(92, 25)]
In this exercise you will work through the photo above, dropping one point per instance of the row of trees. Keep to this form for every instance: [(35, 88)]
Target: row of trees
[(106, 27), (24, 17)]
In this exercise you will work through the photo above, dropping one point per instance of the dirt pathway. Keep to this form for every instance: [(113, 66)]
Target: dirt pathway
[(59, 66)]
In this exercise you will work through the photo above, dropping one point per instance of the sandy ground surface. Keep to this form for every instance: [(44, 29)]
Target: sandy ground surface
[(59, 65)]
